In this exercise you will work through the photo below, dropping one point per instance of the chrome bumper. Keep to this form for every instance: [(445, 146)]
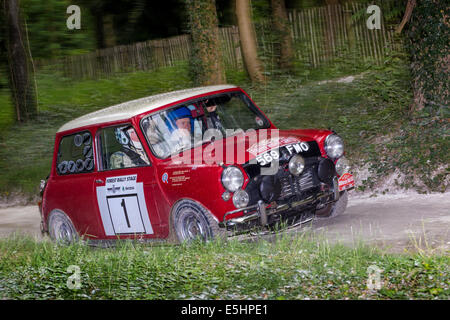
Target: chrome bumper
[(263, 211)]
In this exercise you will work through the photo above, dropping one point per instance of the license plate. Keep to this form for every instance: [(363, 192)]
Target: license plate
[(268, 157)]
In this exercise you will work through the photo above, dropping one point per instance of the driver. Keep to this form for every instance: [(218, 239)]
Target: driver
[(180, 124)]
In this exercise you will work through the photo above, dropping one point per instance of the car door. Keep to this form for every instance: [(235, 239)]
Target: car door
[(125, 185)]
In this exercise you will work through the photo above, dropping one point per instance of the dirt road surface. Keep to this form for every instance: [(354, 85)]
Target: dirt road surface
[(23, 219), (392, 222)]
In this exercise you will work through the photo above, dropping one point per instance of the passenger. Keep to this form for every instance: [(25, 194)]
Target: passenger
[(132, 153), (213, 119)]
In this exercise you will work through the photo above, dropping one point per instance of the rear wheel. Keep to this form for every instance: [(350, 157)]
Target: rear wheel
[(190, 221), (60, 228)]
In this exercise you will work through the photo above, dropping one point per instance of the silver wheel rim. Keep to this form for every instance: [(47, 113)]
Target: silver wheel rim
[(192, 226), (61, 228)]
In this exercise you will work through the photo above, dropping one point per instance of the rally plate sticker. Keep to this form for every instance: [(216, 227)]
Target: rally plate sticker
[(122, 206), (346, 181)]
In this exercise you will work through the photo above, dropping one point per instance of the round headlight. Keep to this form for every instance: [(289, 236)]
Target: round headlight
[(240, 199), (342, 166), (232, 178), (334, 146), (296, 165)]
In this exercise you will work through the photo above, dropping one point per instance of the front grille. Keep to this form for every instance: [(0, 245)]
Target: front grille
[(292, 185), (284, 186)]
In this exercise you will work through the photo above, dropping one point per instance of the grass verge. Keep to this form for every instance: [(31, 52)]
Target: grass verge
[(289, 268)]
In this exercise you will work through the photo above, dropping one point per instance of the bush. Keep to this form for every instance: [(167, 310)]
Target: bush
[(429, 33)]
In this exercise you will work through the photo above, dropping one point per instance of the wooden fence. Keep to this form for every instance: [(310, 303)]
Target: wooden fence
[(142, 56), (320, 35), (325, 33)]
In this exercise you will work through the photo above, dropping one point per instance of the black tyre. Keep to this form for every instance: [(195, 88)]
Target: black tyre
[(60, 228), (190, 221), (334, 209)]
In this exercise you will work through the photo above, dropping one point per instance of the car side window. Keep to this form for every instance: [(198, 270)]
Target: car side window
[(75, 154), (120, 147)]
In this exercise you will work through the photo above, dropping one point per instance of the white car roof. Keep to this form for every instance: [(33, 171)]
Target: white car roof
[(132, 108)]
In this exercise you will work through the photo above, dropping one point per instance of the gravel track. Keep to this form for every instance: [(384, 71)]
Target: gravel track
[(393, 222)]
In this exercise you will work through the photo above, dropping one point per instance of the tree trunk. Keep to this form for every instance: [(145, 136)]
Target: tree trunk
[(108, 31), (3, 56), (206, 60), (19, 64), (99, 34), (248, 41), (283, 32), (408, 12)]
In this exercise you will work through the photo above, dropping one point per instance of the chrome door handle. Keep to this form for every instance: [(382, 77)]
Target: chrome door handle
[(99, 181)]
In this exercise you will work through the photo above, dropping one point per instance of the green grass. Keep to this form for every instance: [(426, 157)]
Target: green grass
[(289, 268), (6, 110)]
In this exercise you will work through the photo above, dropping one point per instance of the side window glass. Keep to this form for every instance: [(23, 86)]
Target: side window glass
[(75, 154), (120, 148)]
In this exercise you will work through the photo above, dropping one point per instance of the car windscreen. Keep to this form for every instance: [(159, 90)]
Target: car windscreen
[(182, 127)]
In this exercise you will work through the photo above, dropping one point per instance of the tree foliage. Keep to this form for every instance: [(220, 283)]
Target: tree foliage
[(131, 21), (138, 20), (48, 33), (429, 35)]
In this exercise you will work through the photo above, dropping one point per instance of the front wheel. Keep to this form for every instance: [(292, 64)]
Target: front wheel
[(334, 209), (60, 228), (191, 222)]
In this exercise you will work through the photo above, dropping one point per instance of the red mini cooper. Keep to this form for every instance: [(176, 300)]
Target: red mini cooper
[(197, 163)]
